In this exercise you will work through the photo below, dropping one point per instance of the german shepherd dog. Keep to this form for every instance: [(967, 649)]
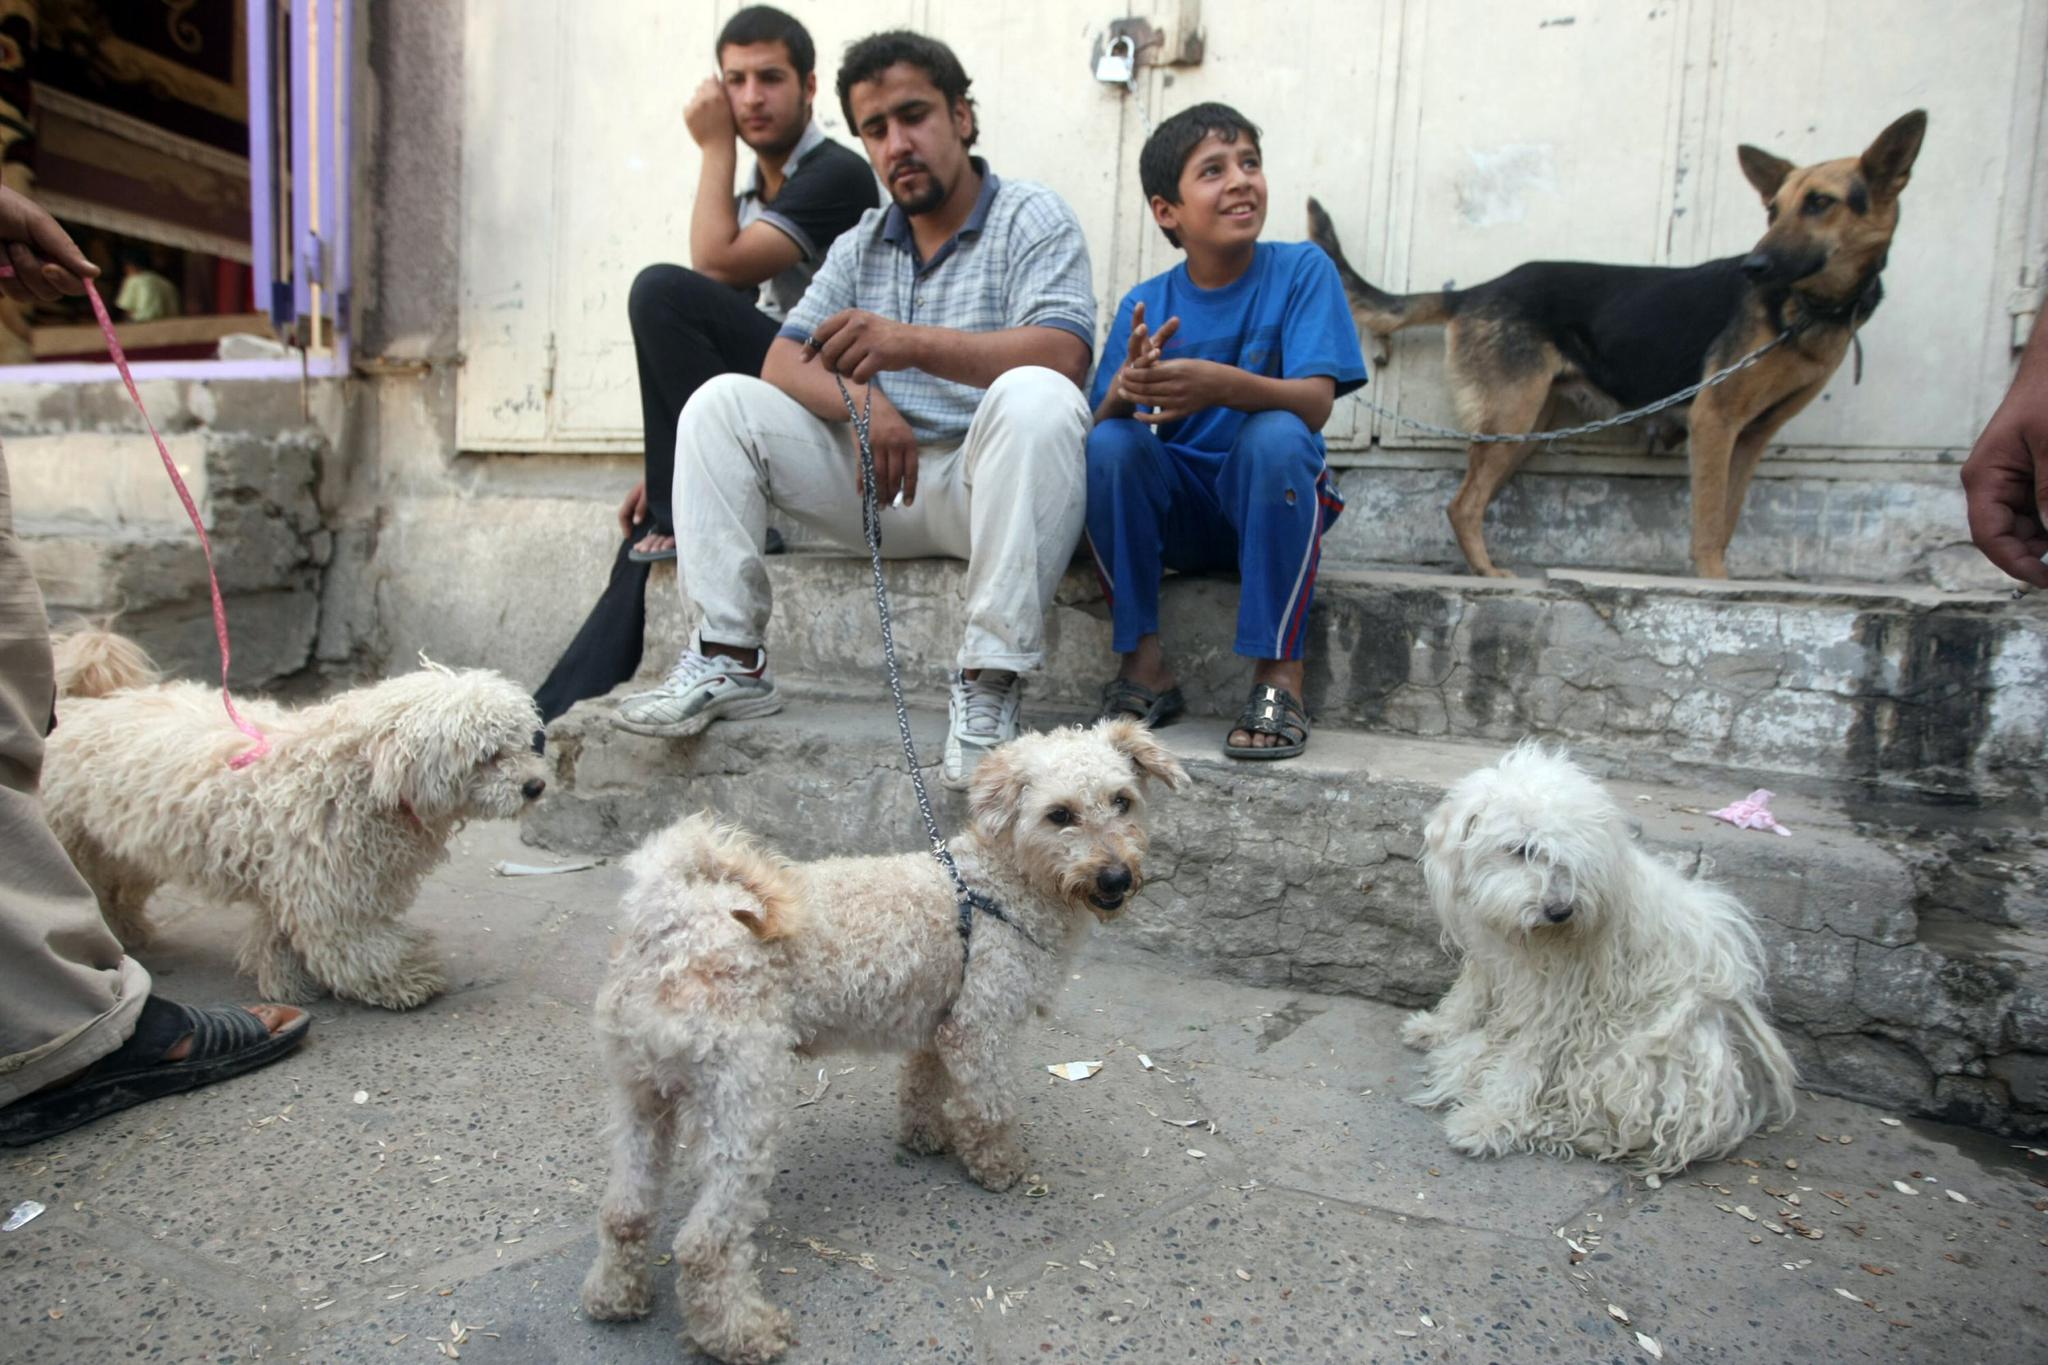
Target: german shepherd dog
[(1620, 336)]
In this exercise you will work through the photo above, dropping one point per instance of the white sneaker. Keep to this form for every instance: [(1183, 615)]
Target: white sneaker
[(700, 689), (982, 714)]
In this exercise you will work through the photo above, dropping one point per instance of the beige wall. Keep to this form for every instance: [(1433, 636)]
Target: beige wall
[(1450, 139)]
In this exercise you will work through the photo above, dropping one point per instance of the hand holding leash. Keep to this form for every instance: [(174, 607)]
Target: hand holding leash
[(858, 345), (44, 263)]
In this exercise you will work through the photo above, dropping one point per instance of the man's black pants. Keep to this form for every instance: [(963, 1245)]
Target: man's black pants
[(687, 328)]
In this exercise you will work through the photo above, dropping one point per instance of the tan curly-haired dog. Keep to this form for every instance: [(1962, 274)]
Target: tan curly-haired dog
[(733, 959)]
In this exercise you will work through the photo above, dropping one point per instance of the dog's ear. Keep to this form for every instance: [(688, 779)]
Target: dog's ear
[(1444, 838), (423, 759), (1888, 162), (1763, 170), (1137, 743), (996, 794)]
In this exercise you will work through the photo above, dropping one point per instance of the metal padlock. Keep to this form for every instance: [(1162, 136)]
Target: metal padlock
[(1119, 65)]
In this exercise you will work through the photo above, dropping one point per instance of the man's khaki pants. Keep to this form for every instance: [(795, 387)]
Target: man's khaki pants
[(68, 996), (1009, 499)]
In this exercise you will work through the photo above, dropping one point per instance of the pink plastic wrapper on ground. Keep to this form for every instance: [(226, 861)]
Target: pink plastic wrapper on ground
[(1753, 812)]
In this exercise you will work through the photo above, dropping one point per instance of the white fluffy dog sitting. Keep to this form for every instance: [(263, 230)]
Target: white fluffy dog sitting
[(732, 959), (327, 836), (1607, 1005)]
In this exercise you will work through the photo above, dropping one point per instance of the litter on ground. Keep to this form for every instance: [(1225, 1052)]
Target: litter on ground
[(504, 869), (1752, 812)]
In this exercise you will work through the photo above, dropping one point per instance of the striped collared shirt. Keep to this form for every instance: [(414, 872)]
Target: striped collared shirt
[(1018, 261)]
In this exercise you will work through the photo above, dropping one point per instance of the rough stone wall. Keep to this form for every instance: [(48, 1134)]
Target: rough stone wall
[(260, 460)]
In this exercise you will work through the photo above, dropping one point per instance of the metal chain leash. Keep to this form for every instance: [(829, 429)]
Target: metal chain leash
[(1684, 395), (969, 899)]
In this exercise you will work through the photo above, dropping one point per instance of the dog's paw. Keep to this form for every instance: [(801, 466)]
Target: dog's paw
[(922, 1135), (1477, 1134), (613, 1294), (752, 1333), (1422, 1030), (995, 1169), (287, 982), (414, 985), (133, 933)]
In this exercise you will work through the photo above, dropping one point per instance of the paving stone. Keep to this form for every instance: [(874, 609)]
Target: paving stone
[(226, 1225), (72, 1295)]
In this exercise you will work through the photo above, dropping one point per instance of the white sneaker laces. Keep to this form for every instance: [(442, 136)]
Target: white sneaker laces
[(981, 708), (692, 669)]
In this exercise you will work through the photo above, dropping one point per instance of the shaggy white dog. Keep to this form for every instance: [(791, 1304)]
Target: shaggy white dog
[(1607, 1005), (327, 835), (733, 959)]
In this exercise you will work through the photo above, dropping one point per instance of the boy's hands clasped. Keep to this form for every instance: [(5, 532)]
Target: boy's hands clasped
[(1167, 390)]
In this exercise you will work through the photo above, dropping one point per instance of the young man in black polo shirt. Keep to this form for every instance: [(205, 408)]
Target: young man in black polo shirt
[(754, 255)]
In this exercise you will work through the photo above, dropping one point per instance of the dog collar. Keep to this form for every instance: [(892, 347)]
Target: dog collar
[(1855, 309)]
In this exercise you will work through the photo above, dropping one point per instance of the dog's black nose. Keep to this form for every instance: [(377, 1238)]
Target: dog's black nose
[(1113, 881), (533, 788), (1756, 265), (1557, 912)]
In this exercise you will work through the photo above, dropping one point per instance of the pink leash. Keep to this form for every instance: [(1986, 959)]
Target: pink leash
[(220, 614)]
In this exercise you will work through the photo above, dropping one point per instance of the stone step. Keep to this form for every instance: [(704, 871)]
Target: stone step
[(1911, 688), (1841, 516), (1305, 873)]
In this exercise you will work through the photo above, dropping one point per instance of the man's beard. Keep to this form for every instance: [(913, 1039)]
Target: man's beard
[(781, 141), (934, 194)]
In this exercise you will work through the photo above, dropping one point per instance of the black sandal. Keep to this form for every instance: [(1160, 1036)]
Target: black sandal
[(1271, 711), (640, 556), (226, 1041), (1123, 698)]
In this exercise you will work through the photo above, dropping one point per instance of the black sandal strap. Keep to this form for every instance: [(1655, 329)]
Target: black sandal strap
[(1122, 697), (226, 1041), (1272, 711)]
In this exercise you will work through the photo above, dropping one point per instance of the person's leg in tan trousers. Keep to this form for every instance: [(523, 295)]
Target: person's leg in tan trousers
[(70, 995), (80, 1033)]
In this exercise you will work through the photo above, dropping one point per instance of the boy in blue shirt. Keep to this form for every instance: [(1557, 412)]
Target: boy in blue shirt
[(1207, 450)]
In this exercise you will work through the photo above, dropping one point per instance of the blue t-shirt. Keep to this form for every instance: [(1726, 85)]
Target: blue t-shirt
[(1286, 317)]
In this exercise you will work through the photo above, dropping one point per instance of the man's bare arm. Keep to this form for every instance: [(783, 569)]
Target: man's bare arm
[(860, 345), (788, 369)]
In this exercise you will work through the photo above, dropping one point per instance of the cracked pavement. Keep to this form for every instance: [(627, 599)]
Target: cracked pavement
[(450, 1210)]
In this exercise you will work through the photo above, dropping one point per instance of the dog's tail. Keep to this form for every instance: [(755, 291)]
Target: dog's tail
[(1373, 308), (93, 661), (702, 848)]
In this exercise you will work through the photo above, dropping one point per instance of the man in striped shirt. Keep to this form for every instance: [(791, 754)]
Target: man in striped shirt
[(964, 308)]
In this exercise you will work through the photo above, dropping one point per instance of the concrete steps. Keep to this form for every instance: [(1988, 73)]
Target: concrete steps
[(1862, 516), (1907, 689), (1890, 984)]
